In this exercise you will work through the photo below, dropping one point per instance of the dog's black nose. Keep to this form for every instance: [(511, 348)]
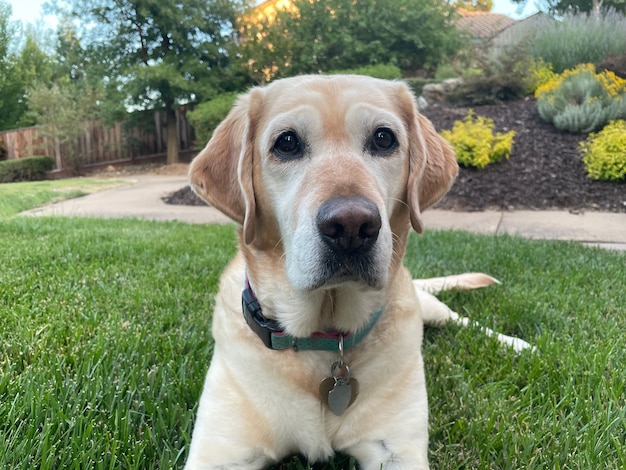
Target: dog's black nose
[(349, 224)]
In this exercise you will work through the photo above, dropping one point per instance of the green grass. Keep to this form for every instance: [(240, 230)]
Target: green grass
[(104, 346), (18, 197)]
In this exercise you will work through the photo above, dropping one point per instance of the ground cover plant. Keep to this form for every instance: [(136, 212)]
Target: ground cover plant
[(581, 99), (104, 347)]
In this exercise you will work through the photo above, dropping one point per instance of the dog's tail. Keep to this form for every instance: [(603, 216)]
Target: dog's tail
[(467, 281)]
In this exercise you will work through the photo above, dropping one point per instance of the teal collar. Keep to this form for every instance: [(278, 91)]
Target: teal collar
[(274, 337)]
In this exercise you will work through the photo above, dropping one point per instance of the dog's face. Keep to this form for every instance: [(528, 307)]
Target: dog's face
[(325, 173)]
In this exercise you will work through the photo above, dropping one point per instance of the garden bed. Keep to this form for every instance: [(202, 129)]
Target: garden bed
[(545, 170)]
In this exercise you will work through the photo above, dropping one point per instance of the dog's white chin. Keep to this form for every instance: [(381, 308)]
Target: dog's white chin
[(317, 268)]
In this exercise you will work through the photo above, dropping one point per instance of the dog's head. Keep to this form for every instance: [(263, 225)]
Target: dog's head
[(326, 173)]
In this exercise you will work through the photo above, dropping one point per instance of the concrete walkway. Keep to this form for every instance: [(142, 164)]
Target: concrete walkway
[(142, 200)]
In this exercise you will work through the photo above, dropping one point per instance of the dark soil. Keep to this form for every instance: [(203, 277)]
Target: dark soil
[(545, 170), (184, 197)]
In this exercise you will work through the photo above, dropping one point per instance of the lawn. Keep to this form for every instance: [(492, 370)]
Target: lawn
[(104, 346), (18, 197)]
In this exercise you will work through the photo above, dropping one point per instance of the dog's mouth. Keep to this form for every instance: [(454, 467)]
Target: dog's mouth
[(363, 270)]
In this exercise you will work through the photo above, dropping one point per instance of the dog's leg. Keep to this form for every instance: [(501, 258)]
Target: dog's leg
[(467, 281), (379, 456), (436, 313)]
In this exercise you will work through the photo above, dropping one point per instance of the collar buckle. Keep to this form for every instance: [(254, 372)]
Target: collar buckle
[(263, 327)]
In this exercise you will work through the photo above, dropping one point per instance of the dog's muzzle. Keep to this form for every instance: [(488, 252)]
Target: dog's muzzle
[(349, 228)]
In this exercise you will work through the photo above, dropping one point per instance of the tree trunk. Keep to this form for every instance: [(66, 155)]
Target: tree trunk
[(172, 136), (596, 7)]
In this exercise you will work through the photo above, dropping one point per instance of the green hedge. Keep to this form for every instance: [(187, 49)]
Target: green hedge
[(206, 116), (384, 71), (417, 83), (25, 169)]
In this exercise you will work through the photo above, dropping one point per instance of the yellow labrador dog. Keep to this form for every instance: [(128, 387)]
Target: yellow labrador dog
[(317, 324)]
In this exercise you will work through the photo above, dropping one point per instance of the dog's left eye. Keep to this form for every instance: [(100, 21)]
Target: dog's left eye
[(287, 146), (383, 141)]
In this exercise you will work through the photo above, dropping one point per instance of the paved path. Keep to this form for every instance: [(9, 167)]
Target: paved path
[(143, 200)]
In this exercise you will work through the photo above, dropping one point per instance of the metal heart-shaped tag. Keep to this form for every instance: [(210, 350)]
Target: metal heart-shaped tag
[(338, 393)]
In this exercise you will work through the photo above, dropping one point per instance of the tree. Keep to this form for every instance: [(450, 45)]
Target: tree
[(8, 85), (159, 54), (594, 7), (66, 110), (474, 5), (32, 65), (324, 35), (22, 62)]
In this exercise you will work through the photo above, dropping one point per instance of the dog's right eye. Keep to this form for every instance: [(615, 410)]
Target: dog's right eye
[(383, 141), (287, 146)]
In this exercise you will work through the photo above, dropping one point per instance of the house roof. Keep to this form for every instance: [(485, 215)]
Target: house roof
[(483, 25)]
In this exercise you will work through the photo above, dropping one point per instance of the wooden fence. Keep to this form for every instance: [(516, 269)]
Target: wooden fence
[(100, 144)]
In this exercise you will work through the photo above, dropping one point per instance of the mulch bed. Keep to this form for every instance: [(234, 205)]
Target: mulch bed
[(545, 170)]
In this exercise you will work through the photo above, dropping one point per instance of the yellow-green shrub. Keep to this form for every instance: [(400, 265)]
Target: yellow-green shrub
[(604, 153), (476, 144), (539, 73)]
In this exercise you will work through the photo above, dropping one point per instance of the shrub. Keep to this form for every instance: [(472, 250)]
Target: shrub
[(25, 169), (475, 143), (500, 77), (578, 38), (417, 84), (206, 116), (604, 153), (581, 100), (387, 72), (539, 73)]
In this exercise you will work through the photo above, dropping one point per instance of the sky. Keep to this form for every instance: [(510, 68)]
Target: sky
[(28, 11)]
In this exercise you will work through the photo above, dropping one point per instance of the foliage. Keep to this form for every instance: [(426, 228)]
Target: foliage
[(66, 111), (500, 77), (90, 379), (417, 84), (539, 74), (206, 116), (160, 55), (33, 65), (8, 83), (604, 153), (474, 5), (578, 38), (22, 61), (25, 169), (383, 71), (560, 7), (581, 100), (445, 71), (475, 144), (323, 35)]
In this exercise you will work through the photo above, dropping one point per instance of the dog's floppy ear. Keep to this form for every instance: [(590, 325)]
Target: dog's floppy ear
[(221, 174), (432, 164)]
